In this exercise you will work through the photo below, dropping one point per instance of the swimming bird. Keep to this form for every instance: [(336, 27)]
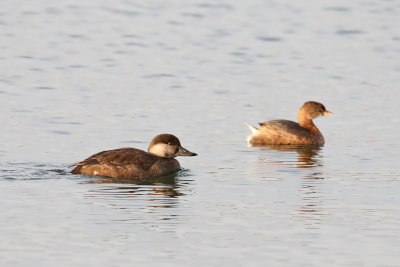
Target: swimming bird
[(285, 132), (132, 163)]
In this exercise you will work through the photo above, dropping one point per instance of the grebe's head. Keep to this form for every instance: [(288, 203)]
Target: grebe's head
[(312, 109)]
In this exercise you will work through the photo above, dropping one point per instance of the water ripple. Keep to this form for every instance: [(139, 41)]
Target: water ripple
[(31, 171)]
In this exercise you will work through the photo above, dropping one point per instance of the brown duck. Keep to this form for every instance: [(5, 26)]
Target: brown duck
[(285, 132), (132, 163)]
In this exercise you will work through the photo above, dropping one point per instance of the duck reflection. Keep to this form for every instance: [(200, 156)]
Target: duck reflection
[(164, 186), (154, 203), (162, 192)]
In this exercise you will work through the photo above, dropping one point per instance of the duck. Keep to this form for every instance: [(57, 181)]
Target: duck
[(133, 163), (286, 132)]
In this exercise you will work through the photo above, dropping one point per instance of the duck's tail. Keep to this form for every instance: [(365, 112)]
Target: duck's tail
[(75, 164)]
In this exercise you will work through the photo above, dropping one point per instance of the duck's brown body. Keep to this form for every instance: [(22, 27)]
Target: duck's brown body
[(132, 163), (127, 163)]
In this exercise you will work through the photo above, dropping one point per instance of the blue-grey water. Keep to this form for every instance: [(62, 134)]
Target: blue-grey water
[(78, 77)]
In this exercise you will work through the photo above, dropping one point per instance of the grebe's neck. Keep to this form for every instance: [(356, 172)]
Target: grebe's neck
[(307, 123)]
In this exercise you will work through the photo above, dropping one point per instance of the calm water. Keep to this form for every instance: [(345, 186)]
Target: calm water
[(78, 77)]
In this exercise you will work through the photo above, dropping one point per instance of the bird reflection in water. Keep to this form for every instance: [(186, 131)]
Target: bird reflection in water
[(153, 203), (307, 156), (163, 192), (166, 186), (308, 162), (289, 156)]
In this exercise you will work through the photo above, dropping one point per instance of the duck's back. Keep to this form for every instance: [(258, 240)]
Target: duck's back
[(128, 163), (284, 132)]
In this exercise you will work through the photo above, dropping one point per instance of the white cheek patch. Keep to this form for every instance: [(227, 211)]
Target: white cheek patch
[(160, 150)]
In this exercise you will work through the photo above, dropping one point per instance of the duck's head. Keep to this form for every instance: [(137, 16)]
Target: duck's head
[(168, 146), (311, 110)]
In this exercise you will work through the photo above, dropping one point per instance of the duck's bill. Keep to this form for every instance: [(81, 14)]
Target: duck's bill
[(326, 113), (184, 152)]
